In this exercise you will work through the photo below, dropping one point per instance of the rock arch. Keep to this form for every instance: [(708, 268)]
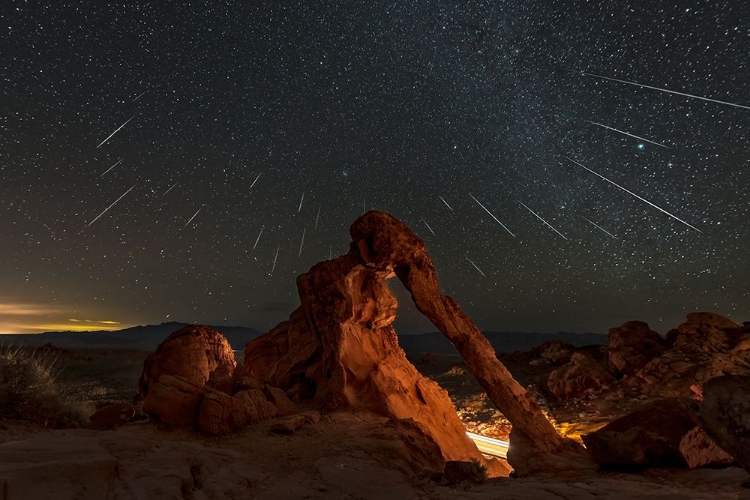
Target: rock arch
[(340, 350)]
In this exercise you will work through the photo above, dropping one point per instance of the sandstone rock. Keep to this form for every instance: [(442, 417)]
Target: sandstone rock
[(649, 437), (340, 350), (678, 374), (458, 472), (706, 332), (582, 373), (194, 353), (632, 346), (111, 415), (555, 351), (279, 399), (174, 400), (725, 415), (699, 450), (288, 425), (220, 413)]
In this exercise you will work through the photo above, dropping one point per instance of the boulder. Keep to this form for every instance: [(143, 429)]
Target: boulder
[(581, 374), (699, 450), (288, 425), (458, 472), (632, 345), (554, 351), (195, 353), (174, 400), (678, 374), (725, 415), (111, 415), (280, 399), (662, 434), (339, 349), (220, 413), (706, 333)]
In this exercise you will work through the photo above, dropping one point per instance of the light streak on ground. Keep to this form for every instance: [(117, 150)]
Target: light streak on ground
[(490, 446)]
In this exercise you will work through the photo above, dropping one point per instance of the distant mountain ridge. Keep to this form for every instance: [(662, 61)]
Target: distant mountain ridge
[(144, 338), (148, 337), (502, 342)]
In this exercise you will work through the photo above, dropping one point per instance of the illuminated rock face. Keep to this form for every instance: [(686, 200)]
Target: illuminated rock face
[(340, 350), (188, 381)]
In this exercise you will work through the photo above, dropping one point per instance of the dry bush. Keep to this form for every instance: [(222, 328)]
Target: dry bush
[(29, 389)]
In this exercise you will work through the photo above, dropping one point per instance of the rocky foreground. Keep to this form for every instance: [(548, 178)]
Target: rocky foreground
[(327, 404)]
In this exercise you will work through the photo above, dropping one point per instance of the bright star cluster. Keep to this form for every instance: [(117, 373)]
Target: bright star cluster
[(570, 165)]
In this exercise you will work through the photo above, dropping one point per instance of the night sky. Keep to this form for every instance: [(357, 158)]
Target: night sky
[(239, 127)]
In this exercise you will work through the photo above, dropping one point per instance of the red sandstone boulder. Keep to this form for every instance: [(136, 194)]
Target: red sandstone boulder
[(699, 450), (725, 415), (706, 333), (632, 346), (662, 434), (581, 374), (111, 415), (220, 413), (195, 353), (191, 380)]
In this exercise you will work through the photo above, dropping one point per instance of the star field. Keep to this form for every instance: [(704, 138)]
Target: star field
[(570, 166)]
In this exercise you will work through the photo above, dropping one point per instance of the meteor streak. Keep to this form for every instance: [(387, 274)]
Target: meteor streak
[(475, 266), (275, 257), (428, 226), (140, 95), (692, 96), (631, 135), (194, 215), (633, 194), (302, 242), (317, 217), (258, 238), (112, 205), (600, 227), (113, 133), (300, 202), (446, 203), (170, 188), (545, 222), (256, 180), (492, 215), (110, 168)]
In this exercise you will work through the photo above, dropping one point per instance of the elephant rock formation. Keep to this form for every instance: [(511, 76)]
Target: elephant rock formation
[(340, 350)]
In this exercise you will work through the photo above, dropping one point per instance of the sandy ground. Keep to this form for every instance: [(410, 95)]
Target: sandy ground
[(345, 456)]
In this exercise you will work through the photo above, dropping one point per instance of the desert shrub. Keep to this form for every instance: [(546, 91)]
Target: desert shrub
[(29, 389)]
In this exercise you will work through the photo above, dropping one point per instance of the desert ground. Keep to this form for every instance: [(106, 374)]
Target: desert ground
[(343, 455)]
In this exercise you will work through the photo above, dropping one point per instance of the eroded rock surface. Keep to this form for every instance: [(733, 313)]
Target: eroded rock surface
[(191, 380), (725, 415), (340, 349), (632, 346), (662, 434)]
